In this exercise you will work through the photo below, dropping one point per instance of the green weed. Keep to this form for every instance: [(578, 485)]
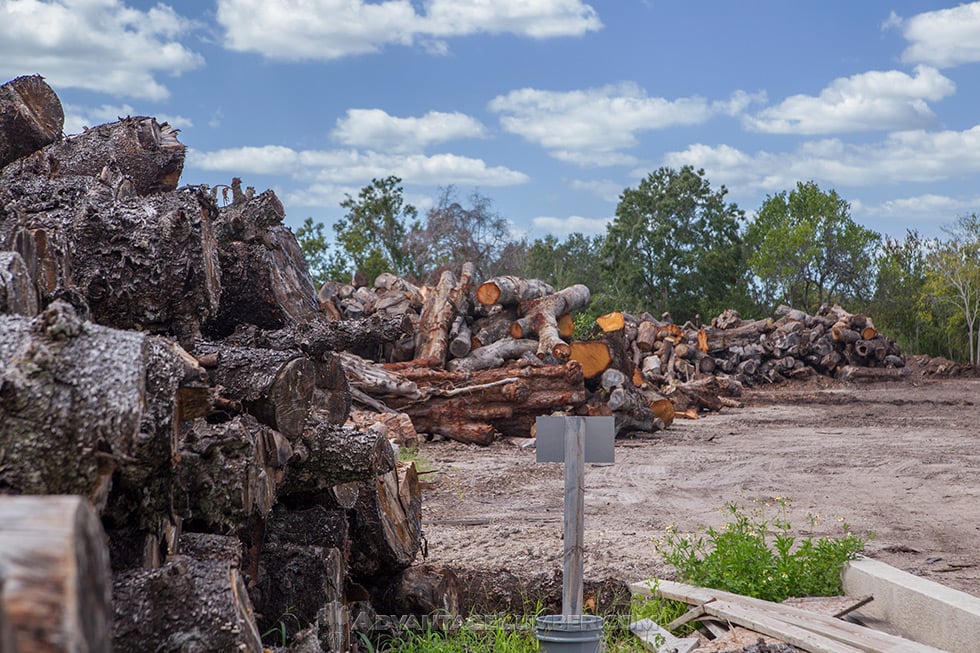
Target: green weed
[(755, 554)]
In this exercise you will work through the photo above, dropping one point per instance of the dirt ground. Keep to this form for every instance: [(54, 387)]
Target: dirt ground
[(900, 460)]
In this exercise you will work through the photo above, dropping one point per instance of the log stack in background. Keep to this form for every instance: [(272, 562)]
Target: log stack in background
[(166, 356)]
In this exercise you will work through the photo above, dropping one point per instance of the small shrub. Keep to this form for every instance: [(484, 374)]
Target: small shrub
[(755, 555)]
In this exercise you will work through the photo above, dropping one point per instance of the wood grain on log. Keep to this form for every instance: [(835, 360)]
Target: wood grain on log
[(386, 523), (31, 117), (493, 355), (185, 605), (275, 386), (18, 295), (493, 327), (55, 573), (541, 318), (438, 313), (509, 290)]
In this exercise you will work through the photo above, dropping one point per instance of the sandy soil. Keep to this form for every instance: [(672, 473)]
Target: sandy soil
[(898, 460)]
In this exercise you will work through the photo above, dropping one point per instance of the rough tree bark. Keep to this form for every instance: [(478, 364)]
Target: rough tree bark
[(328, 455), (17, 292), (541, 318), (509, 290), (55, 574), (386, 523)]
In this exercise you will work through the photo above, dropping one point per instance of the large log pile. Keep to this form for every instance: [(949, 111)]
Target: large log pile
[(169, 359)]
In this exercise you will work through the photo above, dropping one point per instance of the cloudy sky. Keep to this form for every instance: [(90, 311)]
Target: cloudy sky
[(548, 107)]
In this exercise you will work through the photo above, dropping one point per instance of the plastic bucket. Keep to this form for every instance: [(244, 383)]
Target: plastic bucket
[(569, 634)]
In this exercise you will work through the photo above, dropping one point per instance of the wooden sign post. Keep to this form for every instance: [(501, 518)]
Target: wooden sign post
[(574, 441)]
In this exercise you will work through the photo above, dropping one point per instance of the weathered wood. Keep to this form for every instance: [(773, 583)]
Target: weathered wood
[(460, 337), (422, 590), (18, 295), (185, 605), (386, 523), (275, 386), (857, 373), (744, 334), (141, 263), (31, 117), (541, 318), (55, 577), (490, 329), (229, 472), (510, 290), (472, 406), (327, 455), (495, 354), (376, 379), (81, 401), (438, 313), (265, 280)]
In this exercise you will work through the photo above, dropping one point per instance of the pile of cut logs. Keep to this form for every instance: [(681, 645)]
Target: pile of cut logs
[(220, 433)]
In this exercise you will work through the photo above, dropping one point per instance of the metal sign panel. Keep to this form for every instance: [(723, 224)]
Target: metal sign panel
[(600, 434)]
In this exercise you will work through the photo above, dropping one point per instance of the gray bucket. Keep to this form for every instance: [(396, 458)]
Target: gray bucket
[(569, 634)]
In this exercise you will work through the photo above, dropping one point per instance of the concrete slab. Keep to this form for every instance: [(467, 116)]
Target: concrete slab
[(914, 607)]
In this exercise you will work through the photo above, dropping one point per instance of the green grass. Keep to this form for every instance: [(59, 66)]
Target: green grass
[(756, 555)]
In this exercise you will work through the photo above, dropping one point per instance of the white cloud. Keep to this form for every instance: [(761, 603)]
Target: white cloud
[(376, 129), (570, 225), (902, 157), (99, 45), (875, 100), (593, 126), (943, 38), (606, 189), (330, 29), (344, 167), (925, 207)]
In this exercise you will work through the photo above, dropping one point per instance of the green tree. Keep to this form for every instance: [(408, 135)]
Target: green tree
[(316, 249), (807, 251), (372, 234), (452, 234), (900, 305), (675, 245), (953, 280)]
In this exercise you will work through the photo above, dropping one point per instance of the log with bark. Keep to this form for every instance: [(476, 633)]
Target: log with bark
[(493, 355), (422, 591), (327, 455), (81, 402), (265, 280), (540, 317), (139, 263), (31, 117), (55, 577), (510, 290), (474, 407), (275, 386), (185, 605)]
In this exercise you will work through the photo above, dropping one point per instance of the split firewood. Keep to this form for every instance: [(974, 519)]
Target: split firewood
[(509, 290), (541, 318), (185, 600), (275, 386), (386, 523), (327, 455), (493, 355), (56, 581), (18, 294), (31, 117), (264, 277)]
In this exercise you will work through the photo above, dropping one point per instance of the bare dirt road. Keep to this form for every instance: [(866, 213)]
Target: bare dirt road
[(898, 460)]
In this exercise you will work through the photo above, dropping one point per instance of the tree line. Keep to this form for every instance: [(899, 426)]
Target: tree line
[(676, 245)]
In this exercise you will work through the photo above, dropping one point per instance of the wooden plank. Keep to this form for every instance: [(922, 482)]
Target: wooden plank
[(832, 606), (656, 638), (872, 640), (772, 625), (694, 613)]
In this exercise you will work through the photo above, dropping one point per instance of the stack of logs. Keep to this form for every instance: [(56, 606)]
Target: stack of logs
[(165, 355), (174, 410)]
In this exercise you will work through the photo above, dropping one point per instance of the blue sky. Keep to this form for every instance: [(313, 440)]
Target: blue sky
[(548, 107)]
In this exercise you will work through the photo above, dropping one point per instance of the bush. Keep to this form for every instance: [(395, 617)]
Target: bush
[(755, 555)]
